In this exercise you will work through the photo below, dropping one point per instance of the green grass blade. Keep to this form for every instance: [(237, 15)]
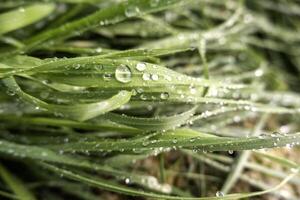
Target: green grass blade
[(106, 16), (79, 112), (105, 184), (24, 16), (16, 185), (196, 143)]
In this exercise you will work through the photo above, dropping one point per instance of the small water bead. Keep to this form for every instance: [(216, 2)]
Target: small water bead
[(127, 180), (164, 95), (154, 77), (140, 90), (143, 97), (219, 194), (140, 66), (107, 76), (133, 92), (132, 11), (192, 90), (98, 50), (230, 152), (123, 74), (44, 94), (146, 77), (21, 9), (98, 67), (294, 170), (258, 72), (289, 146)]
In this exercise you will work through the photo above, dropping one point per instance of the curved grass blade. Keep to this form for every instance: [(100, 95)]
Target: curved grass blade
[(79, 112), (154, 124), (24, 16), (16, 185), (107, 185)]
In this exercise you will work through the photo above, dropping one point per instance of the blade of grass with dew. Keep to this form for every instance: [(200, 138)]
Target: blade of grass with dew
[(196, 143), (154, 124), (104, 184), (242, 159), (79, 112), (106, 16)]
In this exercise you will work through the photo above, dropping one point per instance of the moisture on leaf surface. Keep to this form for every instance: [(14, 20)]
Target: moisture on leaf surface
[(149, 99)]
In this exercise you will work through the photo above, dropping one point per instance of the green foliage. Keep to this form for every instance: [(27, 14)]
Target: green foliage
[(115, 95)]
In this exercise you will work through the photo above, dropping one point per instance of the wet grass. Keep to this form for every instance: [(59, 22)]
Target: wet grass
[(149, 99)]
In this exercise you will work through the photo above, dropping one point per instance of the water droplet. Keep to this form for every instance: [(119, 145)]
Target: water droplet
[(192, 90), (294, 170), (146, 77), (140, 66), (123, 74), (107, 76), (127, 180), (258, 72), (44, 94), (21, 9), (132, 11), (77, 66), (248, 18), (98, 50), (154, 77), (164, 95), (219, 194)]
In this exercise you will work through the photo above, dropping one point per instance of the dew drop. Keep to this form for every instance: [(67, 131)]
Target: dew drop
[(140, 66), (123, 74), (98, 50), (44, 94), (219, 194), (107, 76), (154, 77), (132, 11), (127, 180), (21, 9), (258, 72), (77, 66), (294, 170), (164, 95), (146, 77), (143, 97)]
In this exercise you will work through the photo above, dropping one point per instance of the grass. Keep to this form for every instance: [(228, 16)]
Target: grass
[(149, 99)]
